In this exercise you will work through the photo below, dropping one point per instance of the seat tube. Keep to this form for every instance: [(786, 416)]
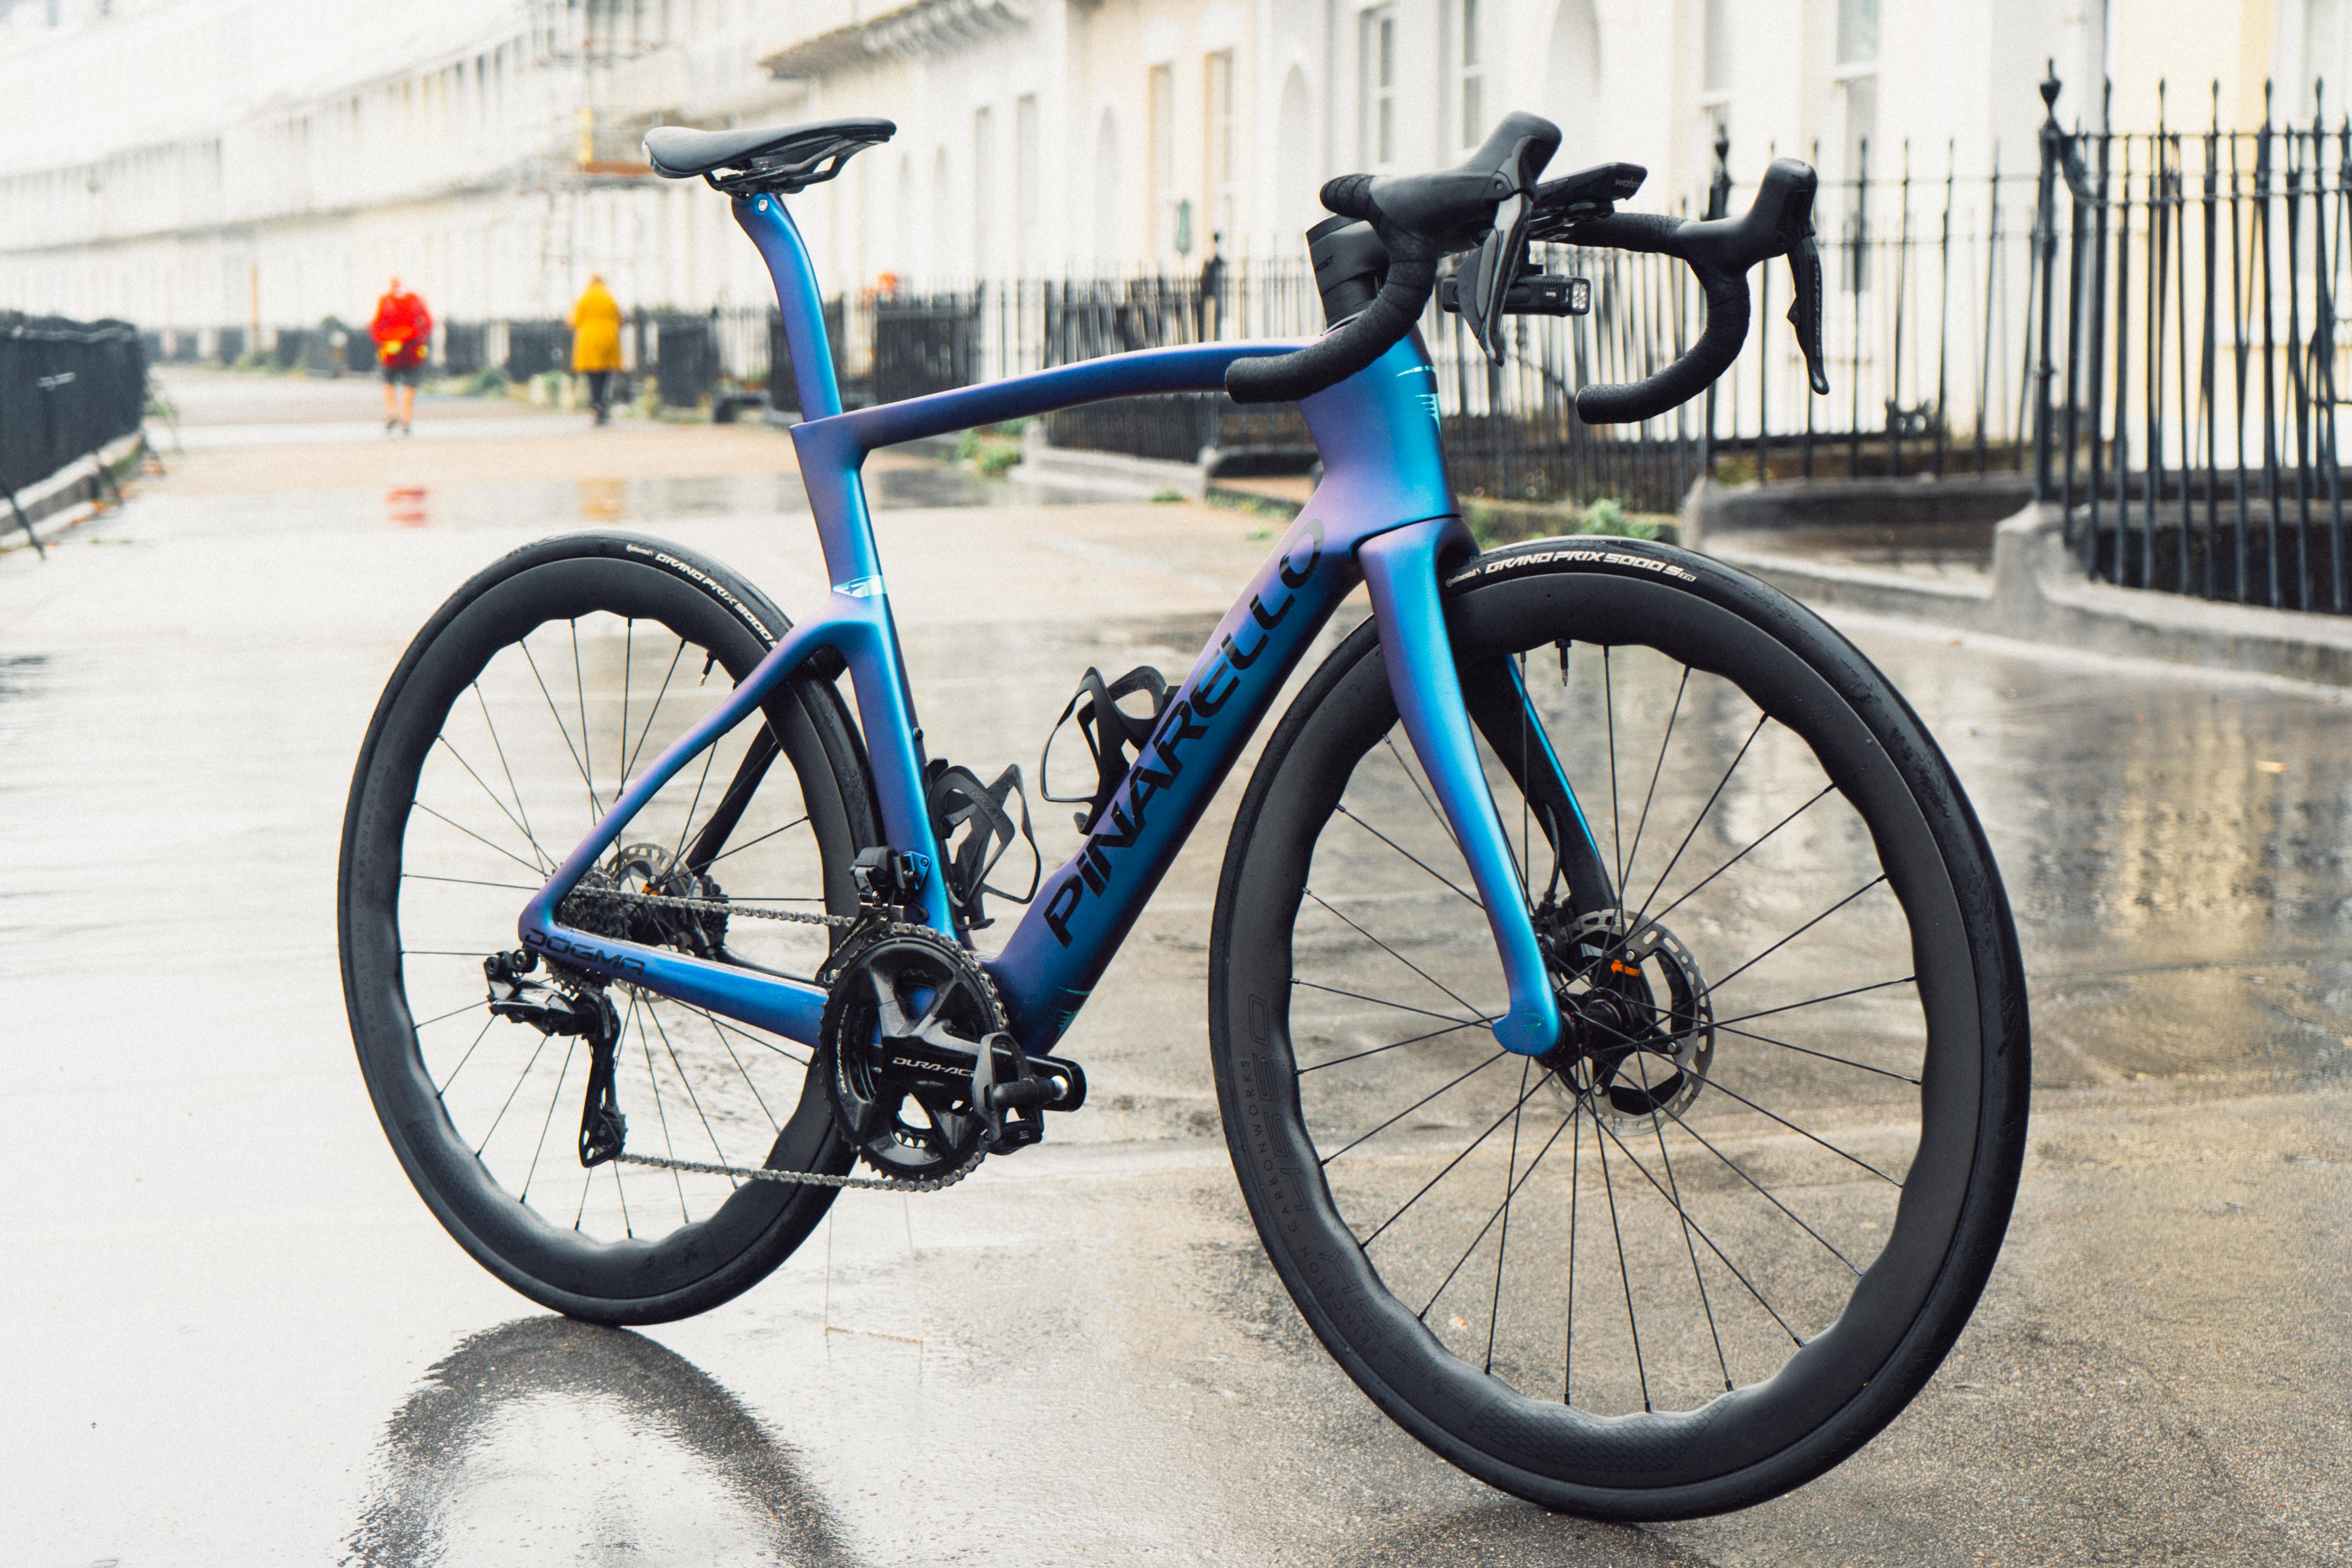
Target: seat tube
[(1400, 570)]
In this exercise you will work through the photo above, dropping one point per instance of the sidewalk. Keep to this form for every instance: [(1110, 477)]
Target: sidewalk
[(2016, 578)]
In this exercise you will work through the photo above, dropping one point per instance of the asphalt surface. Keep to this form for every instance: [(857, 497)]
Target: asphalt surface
[(236, 1336)]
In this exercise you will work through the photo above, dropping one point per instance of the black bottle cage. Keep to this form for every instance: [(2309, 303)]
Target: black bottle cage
[(1111, 732), (958, 800)]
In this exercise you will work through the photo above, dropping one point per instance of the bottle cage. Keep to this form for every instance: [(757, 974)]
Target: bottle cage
[(1111, 732), (958, 802)]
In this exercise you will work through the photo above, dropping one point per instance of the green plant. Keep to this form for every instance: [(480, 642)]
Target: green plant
[(1167, 495), (995, 457), (488, 381), (1482, 520), (1608, 515), (967, 448)]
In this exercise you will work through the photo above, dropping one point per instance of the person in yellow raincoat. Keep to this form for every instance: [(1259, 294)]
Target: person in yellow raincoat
[(596, 340)]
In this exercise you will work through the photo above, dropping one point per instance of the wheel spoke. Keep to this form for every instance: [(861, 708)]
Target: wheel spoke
[(1740, 756), (1602, 1128), (1384, 1002), (1718, 1083), (520, 1082), (1392, 953), (443, 1086), (595, 808), (1450, 1164), (545, 862), (1376, 1050), (747, 844), (1762, 1191), (1800, 931), (479, 839), (1416, 1105), (1408, 855), (1510, 1185), (1525, 1177), (1632, 1322), (1414, 779), (692, 1098), (645, 731), (554, 1100), (1675, 1192), (1657, 768), (661, 1113), (521, 813)]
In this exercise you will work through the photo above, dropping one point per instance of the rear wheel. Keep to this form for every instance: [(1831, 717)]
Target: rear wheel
[(1720, 1237), (510, 727)]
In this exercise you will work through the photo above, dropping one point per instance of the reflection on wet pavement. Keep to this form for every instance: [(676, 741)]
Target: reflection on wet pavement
[(504, 1432)]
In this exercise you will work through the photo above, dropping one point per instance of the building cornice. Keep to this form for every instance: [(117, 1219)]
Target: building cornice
[(914, 31)]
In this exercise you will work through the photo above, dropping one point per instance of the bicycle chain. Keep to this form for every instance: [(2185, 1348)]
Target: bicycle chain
[(763, 1174), (810, 1178)]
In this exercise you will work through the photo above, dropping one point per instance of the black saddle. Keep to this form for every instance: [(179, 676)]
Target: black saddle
[(786, 159)]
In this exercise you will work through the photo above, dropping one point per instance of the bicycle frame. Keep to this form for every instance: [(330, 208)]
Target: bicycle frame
[(1384, 514)]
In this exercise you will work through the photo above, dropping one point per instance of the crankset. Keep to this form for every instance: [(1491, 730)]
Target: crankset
[(923, 1075)]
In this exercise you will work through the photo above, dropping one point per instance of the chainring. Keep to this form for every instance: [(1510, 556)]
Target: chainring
[(903, 1018)]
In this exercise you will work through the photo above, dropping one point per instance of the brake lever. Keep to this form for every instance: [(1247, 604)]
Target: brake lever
[(1500, 255), (1796, 229)]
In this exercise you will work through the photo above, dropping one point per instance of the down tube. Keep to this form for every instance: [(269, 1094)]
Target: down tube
[(1068, 936)]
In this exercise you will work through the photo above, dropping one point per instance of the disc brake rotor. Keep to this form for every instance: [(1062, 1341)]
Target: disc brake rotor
[(1638, 1025)]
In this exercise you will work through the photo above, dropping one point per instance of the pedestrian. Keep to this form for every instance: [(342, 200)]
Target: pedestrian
[(596, 340), (403, 331), (1211, 298)]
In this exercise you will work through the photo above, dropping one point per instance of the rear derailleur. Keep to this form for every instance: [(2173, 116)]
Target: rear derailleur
[(567, 1008)]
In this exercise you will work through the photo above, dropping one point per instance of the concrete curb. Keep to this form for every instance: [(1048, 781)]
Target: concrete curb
[(2037, 593), (69, 496), (1108, 472)]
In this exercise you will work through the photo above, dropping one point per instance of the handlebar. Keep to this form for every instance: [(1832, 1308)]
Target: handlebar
[(1492, 204), (1718, 252)]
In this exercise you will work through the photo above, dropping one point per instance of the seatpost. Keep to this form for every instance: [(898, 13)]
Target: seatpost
[(778, 239)]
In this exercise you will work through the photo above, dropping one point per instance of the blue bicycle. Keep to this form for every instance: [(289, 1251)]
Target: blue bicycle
[(1583, 846)]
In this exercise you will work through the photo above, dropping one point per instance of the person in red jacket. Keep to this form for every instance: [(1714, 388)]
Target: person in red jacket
[(403, 331)]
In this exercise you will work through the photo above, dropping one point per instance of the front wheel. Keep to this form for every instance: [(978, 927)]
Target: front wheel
[(1721, 1235)]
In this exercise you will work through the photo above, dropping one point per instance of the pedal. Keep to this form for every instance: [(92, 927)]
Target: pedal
[(1012, 1105)]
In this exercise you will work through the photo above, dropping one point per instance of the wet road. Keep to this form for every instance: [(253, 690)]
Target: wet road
[(236, 1336)]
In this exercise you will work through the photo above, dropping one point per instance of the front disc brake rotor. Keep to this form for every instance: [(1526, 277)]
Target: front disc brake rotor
[(1635, 1053)]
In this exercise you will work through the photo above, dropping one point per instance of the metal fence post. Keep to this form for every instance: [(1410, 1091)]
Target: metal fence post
[(2046, 243)]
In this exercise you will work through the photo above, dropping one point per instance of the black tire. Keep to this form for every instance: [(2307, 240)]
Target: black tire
[(1732, 1334), (505, 705)]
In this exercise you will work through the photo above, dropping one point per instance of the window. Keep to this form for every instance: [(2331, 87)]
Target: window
[(1471, 84), (1024, 179), (1162, 151), (1217, 95), (1715, 67), (1377, 58), (984, 191), (1857, 78)]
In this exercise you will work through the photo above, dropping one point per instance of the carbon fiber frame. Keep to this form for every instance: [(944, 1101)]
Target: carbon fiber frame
[(1384, 515)]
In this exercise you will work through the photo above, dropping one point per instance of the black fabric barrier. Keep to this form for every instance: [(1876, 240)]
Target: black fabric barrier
[(67, 388)]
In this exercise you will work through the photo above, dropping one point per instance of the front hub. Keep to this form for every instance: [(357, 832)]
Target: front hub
[(1637, 1028)]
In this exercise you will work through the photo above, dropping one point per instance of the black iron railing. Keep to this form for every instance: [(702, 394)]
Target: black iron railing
[(2192, 355)]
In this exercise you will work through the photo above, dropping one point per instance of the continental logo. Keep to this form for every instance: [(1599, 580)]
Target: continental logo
[(1478, 569), (718, 591), (1188, 718)]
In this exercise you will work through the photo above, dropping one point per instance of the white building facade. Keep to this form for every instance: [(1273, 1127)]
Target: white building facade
[(188, 164)]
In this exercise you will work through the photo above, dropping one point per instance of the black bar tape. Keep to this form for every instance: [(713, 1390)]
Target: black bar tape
[(1718, 345), (1356, 343)]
